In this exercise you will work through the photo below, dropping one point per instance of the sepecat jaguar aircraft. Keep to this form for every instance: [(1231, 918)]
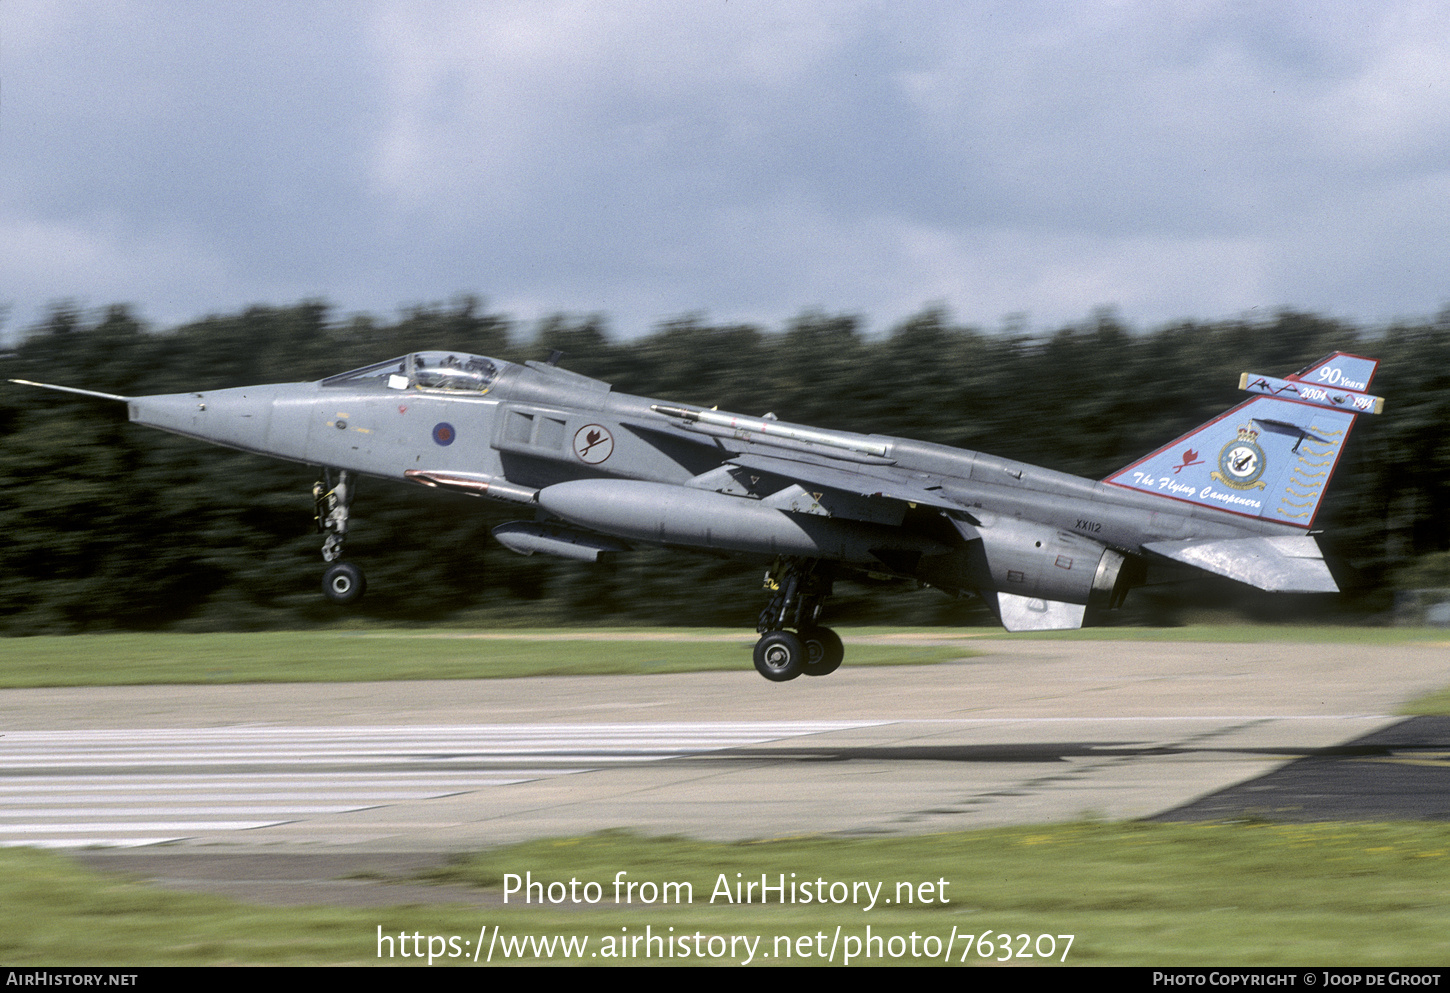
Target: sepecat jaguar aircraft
[(595, 472)]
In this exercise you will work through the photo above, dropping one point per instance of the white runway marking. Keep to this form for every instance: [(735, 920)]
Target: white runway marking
[(141, 787)]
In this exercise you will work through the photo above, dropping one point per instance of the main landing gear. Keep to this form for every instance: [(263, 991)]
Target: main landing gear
[(799, 588), (343, 582)]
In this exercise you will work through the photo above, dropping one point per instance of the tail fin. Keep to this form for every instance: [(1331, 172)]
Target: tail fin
[(1272, 456)]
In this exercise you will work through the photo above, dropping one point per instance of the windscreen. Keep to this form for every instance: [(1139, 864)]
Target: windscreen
[(454, 372)]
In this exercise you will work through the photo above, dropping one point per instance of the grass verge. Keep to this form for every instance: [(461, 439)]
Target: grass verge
[(1131, 894), (364, 656), (1435, 704)]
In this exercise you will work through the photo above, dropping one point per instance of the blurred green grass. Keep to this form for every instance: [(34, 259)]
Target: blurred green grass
[(368, 655), (371, 654), (1132, 894)]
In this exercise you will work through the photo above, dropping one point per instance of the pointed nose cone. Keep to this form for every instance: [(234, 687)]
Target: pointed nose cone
[(239, 418)]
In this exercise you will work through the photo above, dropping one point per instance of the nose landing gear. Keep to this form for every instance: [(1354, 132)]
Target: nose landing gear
[(800, 587), (343, 582)]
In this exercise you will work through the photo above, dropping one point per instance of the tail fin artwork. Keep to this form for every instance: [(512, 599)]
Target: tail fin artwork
[(1272, 456), (1269, 458)]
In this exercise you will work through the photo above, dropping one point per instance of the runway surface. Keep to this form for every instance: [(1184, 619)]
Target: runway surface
[(1033, 731)]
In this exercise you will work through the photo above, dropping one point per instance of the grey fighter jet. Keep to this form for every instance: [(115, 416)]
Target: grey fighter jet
[(595, 472)]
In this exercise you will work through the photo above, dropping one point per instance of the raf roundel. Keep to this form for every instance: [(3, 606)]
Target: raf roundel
[(444, 434)]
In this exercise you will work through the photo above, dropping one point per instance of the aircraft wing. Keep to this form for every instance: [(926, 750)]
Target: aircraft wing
[(1291, 564), (860, 480)]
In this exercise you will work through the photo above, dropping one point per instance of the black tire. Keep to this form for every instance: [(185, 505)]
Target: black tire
[(824, 651), (780, 655), (343, 583)]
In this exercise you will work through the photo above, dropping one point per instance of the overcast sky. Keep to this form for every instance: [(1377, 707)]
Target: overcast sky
[(746, 159)]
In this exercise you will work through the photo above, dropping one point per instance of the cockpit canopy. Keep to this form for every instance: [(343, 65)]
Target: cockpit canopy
[(454, 372)]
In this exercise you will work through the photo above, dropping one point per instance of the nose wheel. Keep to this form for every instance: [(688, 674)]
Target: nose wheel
[(343, 583)]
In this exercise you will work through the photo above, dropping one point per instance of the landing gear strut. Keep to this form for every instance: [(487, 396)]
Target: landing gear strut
[(799, 588), (343, 582)]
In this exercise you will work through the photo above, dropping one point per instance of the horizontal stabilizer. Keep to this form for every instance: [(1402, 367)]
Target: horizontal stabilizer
[(1026, 613), (1283, 565)]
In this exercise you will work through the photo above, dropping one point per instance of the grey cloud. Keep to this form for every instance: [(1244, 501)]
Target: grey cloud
[(745, 159)]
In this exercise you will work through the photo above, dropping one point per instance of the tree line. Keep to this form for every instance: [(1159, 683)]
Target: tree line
[(108, 526)]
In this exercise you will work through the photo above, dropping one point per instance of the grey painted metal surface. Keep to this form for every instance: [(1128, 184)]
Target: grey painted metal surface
[(1289, 564)]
